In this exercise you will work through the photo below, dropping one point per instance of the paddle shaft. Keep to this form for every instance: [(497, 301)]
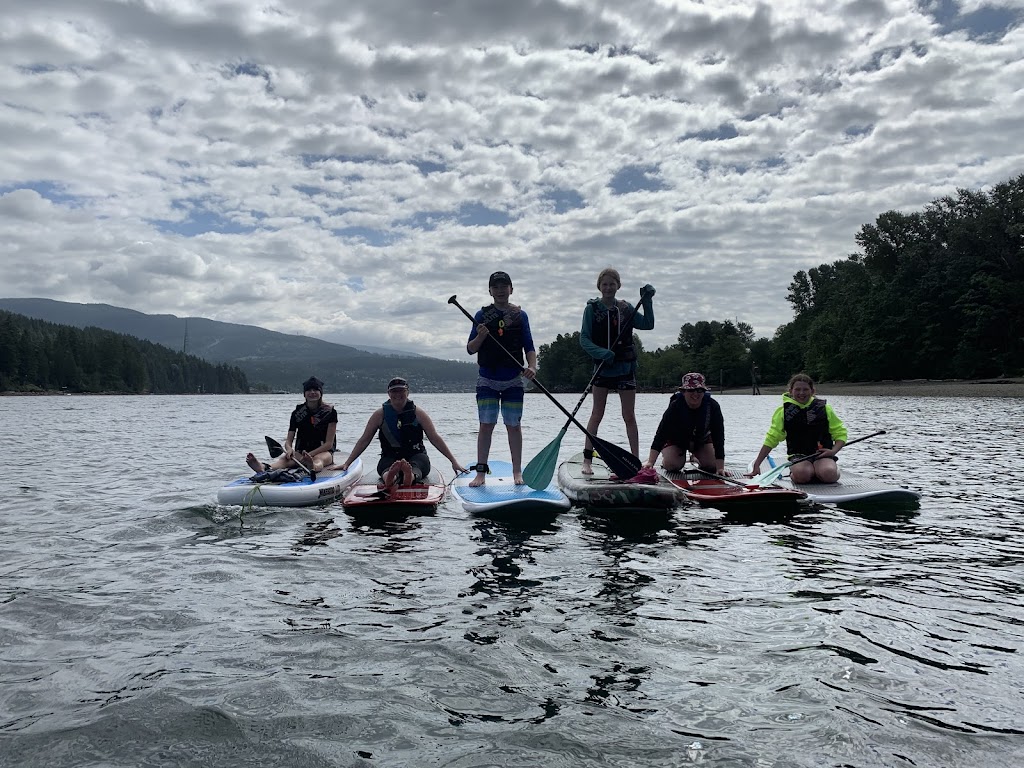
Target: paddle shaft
[(273, 445), (595, 440), (771, 475), (810, 456)]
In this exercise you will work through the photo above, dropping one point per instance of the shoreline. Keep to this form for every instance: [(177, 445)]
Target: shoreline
[(1009, 387), (906, 388)]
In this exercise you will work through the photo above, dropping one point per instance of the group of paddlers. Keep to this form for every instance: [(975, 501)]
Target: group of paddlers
[(692, 427)]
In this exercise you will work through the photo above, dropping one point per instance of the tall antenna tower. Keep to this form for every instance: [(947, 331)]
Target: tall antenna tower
[(184, 343)]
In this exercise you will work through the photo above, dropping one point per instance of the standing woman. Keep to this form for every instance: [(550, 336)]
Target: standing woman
[(809, 426), (607, 336), (401, 426), (314, 424)]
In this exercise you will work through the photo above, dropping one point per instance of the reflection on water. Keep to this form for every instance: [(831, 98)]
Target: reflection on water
[(138, 618)]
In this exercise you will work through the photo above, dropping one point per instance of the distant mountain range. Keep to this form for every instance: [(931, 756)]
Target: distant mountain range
[(271, 360)]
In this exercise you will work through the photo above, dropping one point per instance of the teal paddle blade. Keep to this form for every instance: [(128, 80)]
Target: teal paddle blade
[(541, 469)]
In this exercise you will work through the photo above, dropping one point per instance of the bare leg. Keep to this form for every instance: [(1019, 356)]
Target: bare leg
[(802, 472), (627, 401), (483, 450), (826, 470), (515, 447), (599, 401), (672, 458), (705, 455)]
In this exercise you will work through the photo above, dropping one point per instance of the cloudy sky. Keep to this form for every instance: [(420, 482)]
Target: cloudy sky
[(340, 169)]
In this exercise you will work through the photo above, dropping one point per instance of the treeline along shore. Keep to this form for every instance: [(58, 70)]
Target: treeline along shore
[(934, 295), (37, 356), (933, 303)]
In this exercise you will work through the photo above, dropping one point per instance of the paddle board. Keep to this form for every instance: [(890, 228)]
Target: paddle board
[(329, 485), (728, 496), (853, 488), (369, 497), (500, 494), (600, 491)]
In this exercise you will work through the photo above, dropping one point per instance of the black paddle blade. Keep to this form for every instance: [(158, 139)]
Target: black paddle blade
[(621, 462), (273, 446)]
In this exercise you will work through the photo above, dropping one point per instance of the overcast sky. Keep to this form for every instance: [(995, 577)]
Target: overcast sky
[(339, 169)]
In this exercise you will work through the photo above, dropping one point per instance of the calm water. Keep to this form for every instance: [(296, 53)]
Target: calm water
[(143, 625)]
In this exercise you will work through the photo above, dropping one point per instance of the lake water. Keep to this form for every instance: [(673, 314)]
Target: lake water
[(143, 625)]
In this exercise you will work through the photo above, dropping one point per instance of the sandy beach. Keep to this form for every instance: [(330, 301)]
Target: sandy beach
[(911, 387)]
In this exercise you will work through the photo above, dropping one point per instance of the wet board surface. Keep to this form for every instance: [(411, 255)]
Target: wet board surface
[(721, 494), (368, 496), (501, 494), (329, 485), (599, 490), (853, 488)]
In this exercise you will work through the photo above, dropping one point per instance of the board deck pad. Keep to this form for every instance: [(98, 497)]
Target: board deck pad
[(854, 488), (722, 494), (369, 495), (329, 485), (501, 493)]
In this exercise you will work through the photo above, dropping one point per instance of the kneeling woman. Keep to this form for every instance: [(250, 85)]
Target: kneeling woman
[(809, 426), (401, 425), (692, 422)]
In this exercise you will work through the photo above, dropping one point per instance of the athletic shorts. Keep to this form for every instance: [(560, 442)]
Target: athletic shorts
[(693, 445), (626, 381), (510, 401)]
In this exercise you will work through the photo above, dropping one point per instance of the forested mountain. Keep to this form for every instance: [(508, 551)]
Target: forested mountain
[(37, 355), (937, 293), (271, 360)]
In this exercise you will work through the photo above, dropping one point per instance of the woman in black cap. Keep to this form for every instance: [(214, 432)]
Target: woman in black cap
[(401, 426), (313, 424)]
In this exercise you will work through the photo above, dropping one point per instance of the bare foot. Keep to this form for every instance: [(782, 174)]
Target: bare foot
[(479, 480), (587, 469), (517, 478), (391, 476), (407, 476), (254, 464)]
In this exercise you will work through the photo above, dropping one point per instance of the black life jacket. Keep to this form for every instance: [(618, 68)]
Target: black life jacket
[(506, 327), (312, 426), (806, 428), (696, 422), (606, 332), (401, 434)]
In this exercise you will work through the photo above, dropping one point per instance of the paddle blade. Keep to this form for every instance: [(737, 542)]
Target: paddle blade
[(620, 461), (275, 448), (541, 469)]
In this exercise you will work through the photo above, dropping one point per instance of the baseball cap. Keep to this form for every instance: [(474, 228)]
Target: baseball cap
[(398, 383), (694, 381), (498, 277)]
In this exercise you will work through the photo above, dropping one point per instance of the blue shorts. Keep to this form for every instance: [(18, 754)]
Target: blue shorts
[(510, 400)]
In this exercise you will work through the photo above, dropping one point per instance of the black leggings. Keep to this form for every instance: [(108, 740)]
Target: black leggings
[(420, 465)]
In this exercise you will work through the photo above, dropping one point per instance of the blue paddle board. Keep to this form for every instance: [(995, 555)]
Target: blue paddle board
[(500, 494)]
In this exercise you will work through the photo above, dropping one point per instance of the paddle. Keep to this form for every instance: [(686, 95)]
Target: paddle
[(769, 477), (276, 450), (621, 462), (541, 469)]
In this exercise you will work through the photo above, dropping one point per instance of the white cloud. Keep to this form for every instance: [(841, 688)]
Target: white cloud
[(342, 169)]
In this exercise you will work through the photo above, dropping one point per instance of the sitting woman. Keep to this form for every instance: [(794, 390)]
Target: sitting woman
[(311, 429), (401, 426)]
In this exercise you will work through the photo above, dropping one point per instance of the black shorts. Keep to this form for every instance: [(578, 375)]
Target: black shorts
[(626, 381)]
